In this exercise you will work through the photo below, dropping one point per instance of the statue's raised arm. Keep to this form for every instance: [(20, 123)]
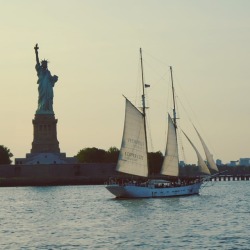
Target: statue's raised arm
[(36, 51)]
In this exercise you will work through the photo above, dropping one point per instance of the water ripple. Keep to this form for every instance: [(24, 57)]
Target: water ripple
[(88, 217)]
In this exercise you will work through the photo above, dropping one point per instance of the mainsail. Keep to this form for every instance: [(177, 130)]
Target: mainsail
[(210, 160), (170, 164), (201, 164), (133, 153)]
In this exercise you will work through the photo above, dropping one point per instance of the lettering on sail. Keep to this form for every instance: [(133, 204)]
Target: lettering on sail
[(134, 145), (133, 156)]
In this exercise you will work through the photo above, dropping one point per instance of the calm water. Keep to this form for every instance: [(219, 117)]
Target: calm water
[(87, 217)]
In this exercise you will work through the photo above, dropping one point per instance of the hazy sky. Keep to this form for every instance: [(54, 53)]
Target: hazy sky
[(93, 46)]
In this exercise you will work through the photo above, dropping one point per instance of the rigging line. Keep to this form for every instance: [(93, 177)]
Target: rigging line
[(157, 59), (156, 73), (169, 88), (155, 68), (168, 103), (165, 63), (179, 85), (181, 147), (149, 132), (193, 113), (157, 76), (183, 106), (137, 96), (153, 82), (176, 111), (148, 118)]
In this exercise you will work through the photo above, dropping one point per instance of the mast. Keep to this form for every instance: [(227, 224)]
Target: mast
[(174, 114), (174, 110), (143, 100), (170, 166)]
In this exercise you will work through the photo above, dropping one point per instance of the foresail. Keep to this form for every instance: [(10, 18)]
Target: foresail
[(170, 164), (210, 160), (133, 153), (201, 164)]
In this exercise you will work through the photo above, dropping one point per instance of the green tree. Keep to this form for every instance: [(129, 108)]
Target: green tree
[(96, 155), (155, 160), (112, 155), (5, 155), (91, 155)]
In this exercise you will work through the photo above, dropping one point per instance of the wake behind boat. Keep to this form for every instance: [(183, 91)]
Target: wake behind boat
[(133, 158)]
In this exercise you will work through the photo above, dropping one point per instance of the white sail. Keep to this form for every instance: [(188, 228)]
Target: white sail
[(210, 160), (170, 164), (201, 164), (133, 153)]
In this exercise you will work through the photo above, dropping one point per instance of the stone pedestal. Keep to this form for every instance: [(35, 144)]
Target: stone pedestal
[(45, 134)]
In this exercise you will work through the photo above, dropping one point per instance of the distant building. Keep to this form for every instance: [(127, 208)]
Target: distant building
[(244, 162), (45, 158), (232, 163), (182, 164), (219, 162)]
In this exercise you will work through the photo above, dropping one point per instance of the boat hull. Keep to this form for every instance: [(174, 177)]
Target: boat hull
[(133, 191)]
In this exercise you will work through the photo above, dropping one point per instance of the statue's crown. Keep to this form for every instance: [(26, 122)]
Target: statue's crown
[(44, 61)]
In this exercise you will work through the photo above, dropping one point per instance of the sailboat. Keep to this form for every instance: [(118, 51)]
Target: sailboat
[(133, 158)]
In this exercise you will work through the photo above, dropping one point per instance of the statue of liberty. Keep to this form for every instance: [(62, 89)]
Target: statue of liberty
[(46, 83)]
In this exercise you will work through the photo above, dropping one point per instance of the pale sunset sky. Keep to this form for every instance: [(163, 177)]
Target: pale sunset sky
[(93, 47)]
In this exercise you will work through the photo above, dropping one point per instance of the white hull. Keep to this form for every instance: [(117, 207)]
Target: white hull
[(133, 191)]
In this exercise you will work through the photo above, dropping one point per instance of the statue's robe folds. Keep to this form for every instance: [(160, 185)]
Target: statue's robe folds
[(46, 83)]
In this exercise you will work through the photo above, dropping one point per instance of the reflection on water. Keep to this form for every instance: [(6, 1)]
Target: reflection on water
[(88, 217)]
